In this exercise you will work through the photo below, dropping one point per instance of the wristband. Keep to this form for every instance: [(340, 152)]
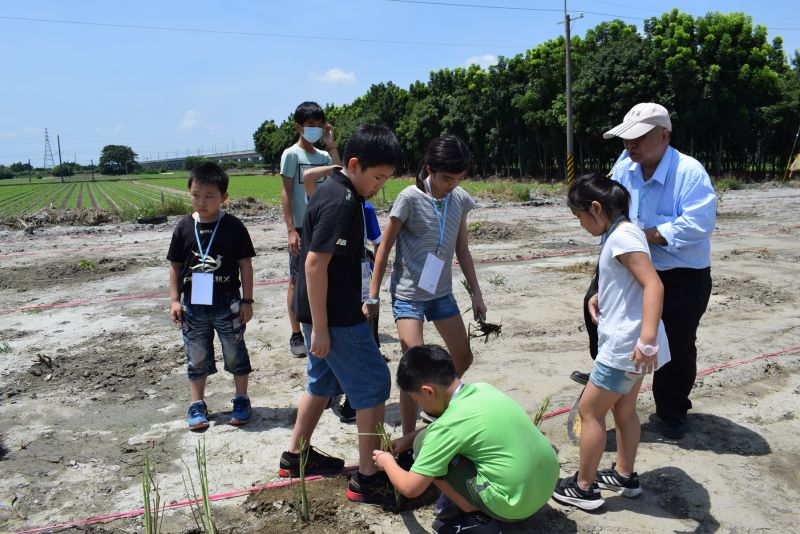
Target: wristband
[(372, 301), (647, 350), (247, 301)]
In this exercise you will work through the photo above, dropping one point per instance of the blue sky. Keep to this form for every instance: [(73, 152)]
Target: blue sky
[(162, 91)]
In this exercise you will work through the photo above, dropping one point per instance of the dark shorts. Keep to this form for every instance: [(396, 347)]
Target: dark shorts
[(461, 475), (198, 326), (354, 366)]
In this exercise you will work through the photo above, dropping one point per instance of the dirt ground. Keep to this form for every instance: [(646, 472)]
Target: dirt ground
[(92, 379)]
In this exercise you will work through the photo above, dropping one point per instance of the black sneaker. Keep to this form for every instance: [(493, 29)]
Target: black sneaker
[(568, 492), (610, 479), (374, 489), (474, 522), (344, 411), (318, 463), (297, 344), (580, 378), (673, 429)]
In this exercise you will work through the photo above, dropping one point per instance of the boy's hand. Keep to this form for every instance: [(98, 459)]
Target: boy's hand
[(644, 364), (327, 137), (320, 342), (294, 242), (382, 459), (176, 311), (594, 307), (404, 443), (370, 311), (245, 312)]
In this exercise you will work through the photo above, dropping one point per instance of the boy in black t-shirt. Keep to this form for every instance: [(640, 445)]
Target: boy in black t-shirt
[(334, 274), (210, 258)]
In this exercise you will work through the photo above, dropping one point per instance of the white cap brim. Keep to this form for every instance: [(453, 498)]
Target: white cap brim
[(629, 130)]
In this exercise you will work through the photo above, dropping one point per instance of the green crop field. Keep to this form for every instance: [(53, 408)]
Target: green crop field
[(147, 195)]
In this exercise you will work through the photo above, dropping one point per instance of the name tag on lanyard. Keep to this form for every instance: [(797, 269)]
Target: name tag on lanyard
[(434, 264), (203, 283)]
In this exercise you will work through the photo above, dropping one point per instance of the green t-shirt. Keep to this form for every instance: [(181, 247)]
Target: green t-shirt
[(514, 462)]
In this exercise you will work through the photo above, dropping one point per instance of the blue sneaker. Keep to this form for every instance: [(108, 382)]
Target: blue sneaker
[(241, 410), (198, 415)]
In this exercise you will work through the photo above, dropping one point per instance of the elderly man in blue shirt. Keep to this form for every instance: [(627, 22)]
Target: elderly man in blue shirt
[(673, 202)]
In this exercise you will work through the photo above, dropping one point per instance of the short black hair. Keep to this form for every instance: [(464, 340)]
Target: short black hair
[(611, 194), (425, 364), (209, 173), (373, 146), (308, 111)]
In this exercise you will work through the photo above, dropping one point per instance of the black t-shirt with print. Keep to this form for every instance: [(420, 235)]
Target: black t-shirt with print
[(231, 244), (334, 223)]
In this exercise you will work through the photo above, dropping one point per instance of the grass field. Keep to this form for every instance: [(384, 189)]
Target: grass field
[(146, 195)]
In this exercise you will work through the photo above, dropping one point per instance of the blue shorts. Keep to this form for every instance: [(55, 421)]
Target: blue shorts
[(432, 310), (354, 366), (198, 326), (614, 380)]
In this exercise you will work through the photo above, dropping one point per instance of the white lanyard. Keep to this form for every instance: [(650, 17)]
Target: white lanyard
[(441, 220), (204, 255)]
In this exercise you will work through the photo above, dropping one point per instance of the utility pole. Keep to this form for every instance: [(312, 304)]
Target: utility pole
[(30, 170), (570, 156), (60, 165), (93, 170)]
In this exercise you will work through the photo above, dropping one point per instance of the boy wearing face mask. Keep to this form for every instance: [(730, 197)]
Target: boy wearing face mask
[(309, 121)]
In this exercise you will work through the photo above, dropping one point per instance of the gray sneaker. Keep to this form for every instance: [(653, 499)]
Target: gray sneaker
[(297, 344)]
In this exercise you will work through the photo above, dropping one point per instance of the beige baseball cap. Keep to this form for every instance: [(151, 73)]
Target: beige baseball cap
[(641, 119)]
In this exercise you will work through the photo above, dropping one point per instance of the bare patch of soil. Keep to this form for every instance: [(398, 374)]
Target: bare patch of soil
[(491, 231), (46, 274)]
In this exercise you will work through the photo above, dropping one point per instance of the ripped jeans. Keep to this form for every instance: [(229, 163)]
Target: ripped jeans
[(199, 324)]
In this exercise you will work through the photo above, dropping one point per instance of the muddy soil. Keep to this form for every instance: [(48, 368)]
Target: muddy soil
[(92, 379)]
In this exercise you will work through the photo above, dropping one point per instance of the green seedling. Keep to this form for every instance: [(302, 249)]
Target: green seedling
[(539, 415), (87, 265), (152, 506)]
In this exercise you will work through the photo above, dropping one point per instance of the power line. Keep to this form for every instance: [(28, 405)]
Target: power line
[(255, 34), (481, 6)]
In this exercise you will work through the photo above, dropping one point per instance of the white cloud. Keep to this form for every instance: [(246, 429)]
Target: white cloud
[(191, 120), (335, 75), (483, 61)]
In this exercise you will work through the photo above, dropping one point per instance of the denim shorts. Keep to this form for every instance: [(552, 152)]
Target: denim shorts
[(611, 379), (354, 366), (432, 310), (199, 324)]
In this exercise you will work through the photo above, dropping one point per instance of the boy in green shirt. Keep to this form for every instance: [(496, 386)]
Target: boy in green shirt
[(483, 451)]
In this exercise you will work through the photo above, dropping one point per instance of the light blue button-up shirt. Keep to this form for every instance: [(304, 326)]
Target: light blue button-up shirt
[(679, 201)]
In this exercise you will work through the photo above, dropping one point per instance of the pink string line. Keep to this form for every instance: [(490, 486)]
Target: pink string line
[(228, 495)]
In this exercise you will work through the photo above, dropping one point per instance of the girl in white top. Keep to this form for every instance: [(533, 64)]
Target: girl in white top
[(632, 341), (428, 223)]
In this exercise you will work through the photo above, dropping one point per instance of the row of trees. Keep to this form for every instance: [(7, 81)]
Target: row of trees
[(733, 95)]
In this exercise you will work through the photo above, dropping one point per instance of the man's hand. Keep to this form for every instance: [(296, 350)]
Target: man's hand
[(294, 242), (176, 311), (320, 342), (245, 312), (654, 236), (594, 307)]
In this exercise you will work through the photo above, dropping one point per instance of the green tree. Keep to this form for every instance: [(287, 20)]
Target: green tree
[(19, 167), (117, 159)]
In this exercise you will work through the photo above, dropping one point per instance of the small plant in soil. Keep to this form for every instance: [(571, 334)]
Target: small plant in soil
[(201, 515), (4, 347), (152, 500), (386, 445), (304, 450), (482, 329), (87, 265), (497, 279)]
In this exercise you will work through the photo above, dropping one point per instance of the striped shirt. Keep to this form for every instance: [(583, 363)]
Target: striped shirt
[(420, 235)]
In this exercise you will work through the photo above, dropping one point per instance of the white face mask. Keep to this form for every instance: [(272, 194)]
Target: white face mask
[(312, 134)]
